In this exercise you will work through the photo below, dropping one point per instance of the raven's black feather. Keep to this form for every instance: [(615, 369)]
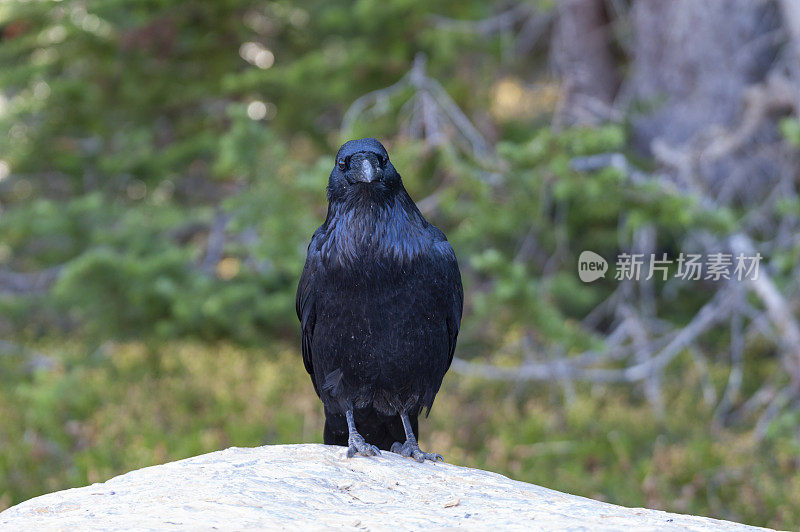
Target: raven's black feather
[(379, 300)]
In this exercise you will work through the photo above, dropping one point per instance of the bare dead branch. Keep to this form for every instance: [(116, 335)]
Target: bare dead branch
[(434, 116), (500, 22), (733, 387), (29, 283), (778, 309), (575, 368), (709, 392), (759, 101), (781, 400)]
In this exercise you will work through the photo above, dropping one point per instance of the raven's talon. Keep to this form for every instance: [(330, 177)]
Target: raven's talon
[(411, 450), (357, 444)]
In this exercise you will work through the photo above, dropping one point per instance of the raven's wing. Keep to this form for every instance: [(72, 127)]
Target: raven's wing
[(452, 284), (305, 307)]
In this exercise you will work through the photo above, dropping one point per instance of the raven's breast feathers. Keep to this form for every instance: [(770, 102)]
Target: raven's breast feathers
[(389, 230)]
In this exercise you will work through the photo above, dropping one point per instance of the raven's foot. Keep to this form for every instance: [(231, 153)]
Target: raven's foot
[(411, 449), (357, 444)]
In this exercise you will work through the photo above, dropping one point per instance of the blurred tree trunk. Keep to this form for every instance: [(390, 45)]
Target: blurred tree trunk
[(692, 66), (582, 58), (701, 81), (790, 9)]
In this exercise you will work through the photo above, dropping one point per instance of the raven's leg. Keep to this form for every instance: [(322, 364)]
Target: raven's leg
[(410, 447), (356, 442)]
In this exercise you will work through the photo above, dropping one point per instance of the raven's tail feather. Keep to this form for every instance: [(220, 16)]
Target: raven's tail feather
[(377, 429)]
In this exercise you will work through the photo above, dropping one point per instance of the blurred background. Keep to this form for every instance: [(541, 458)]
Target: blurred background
[(163, 165)]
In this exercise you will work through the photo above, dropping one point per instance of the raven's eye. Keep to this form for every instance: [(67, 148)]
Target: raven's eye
[(383, 160), (341, 163)]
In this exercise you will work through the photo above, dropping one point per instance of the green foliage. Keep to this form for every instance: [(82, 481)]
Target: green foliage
[(74, 424), (172, 157), (790, 129)]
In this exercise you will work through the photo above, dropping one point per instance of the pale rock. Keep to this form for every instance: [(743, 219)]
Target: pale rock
[(308, 487)]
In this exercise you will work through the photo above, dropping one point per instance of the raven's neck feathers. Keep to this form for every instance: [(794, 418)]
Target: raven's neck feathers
[(374, 227)]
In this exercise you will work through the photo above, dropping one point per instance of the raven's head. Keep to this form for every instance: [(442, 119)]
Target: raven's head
[(362, 166)]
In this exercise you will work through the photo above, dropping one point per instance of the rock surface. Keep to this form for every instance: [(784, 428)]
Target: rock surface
[(316, 487)]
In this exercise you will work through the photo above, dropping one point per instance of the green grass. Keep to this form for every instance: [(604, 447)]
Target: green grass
[(91, 417)]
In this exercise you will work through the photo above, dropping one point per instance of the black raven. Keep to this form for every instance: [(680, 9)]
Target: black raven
[(379, 303)]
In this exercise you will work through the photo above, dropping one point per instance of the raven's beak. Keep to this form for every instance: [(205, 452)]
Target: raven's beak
[(365, 171)]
